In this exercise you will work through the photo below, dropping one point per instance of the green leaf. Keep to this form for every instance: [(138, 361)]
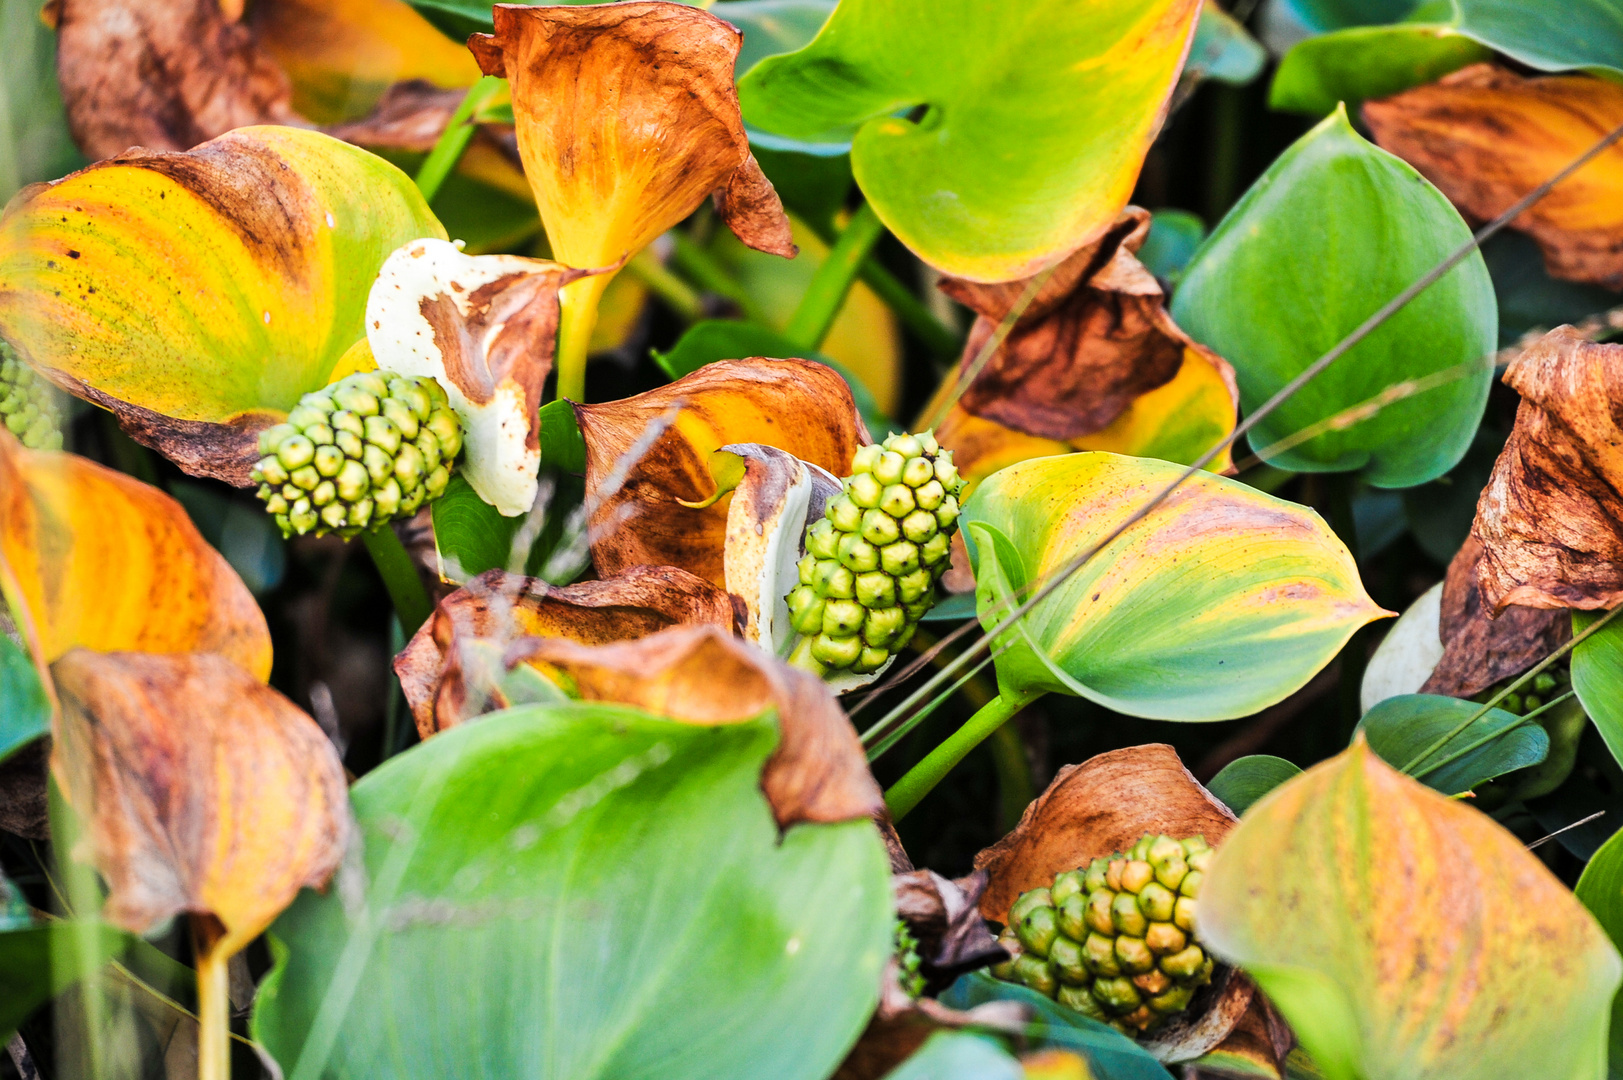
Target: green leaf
[(1175, 236), (1600, 888), (1367, 62), (1321, 15), (1407, 935), (1529, 298), (25, 709), (720, 339), (1243, 781), (1399, 728), (1219, 603), (1581, 34), (1224, 50), (957, 1055), (1597, 676), (1030, 130), (1111, 1055), (1331, 232), (471, 536), (36, 964), (582, 891)]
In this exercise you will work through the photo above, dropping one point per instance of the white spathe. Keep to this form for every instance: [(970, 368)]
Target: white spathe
[(1408, 654)]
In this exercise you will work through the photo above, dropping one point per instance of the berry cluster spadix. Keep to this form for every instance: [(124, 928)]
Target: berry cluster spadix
[(28, 405), (1115, 941), (872, 562), (366, 450)]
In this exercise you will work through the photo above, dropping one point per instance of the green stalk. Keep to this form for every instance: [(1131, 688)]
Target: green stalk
[(678, 295), (454, 139), (826, 294), (83, 947), (922, 778), (577, 318), (708, 274), (941, 339), (399, 573)]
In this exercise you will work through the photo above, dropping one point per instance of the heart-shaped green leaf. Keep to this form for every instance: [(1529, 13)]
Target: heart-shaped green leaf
[(199, 295), (1220, 602), (1332, 231), (1242, 782), (1030, 130), (1597, 676), (1406, 935), (25, 708), (1401, 728), (628, 911), (1601, 890)]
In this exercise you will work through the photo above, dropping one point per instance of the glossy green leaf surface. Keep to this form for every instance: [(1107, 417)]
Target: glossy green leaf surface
[(1219, 603), (1322, 15), (1411, 937), (1577, 34), (1600, 888), (471, 536), (1242, 782), (955, 1055), (25, 709), (617, 902), (1368, 62), (1597, 676), (1110, 1054), (1032, 131), (1331, 232), (1400, 728)]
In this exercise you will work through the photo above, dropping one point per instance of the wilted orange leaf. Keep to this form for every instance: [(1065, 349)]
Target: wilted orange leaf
[(498, 607), (1551, 518), (98, 559), (1487, 136), (1105, 805), (798, 406), (704, 675), (1403, 933), (626, 119), (1095, 337), (203, 791)]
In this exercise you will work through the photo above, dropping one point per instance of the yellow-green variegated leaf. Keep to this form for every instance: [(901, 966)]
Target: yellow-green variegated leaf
[(198, 295), (1406, 935), (1220, 602)]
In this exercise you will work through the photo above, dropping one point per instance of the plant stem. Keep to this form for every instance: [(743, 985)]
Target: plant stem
[(826, 294), (399, 573), (709, 275), (678, 295), (941, 339), (213, 1001), (459, 130), (577, 317), (922, 778)]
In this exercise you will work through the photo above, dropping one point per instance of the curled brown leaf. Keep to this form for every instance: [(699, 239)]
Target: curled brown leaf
[(498, 607), (797, 406), (203, 791), (1095, 336), (1479, 651), (1550, 520), (704, 675), (945, 920), (1105, 805), (1487, 136)]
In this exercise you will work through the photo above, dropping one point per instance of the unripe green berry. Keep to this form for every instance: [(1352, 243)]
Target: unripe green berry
[(845, 514), (305, 478), (857, 554), (837, 652), (833, 581), (901, 557), (864, 490), (864, 460), (1037, 973), (871, 660), (914, 587), (897, 501), (930, 495), (918, 472), (295, 452), (920, 526), (888, 469), (876, 589), (403, 417), (878, 528), (328, 460), (883, 626), (906, 445), (842, 618), (934, 551)]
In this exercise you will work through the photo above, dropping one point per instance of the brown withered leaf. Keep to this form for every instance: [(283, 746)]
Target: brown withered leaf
[(203, 792), (500, 607), (1479, 651), (945, 920), (627, 118), (1487, 136), (1551, 518), (704, 675), (1105, 805), (162, 75), (1094, 338), (797, 406)]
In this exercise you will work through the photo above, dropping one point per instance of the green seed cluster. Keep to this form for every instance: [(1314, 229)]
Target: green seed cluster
[(1546, 686), (872, 562), (1115, 941), (28, 404), (366, 450)]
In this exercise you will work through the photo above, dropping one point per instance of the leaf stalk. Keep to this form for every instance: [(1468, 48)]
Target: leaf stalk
[(829, 286), (411, 603), (922, 778)]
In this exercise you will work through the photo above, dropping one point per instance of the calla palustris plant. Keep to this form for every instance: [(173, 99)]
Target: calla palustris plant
[(627, 121), (1015, 162), (203, 791), (1487, 136), (1410, 935), (249, 261)]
